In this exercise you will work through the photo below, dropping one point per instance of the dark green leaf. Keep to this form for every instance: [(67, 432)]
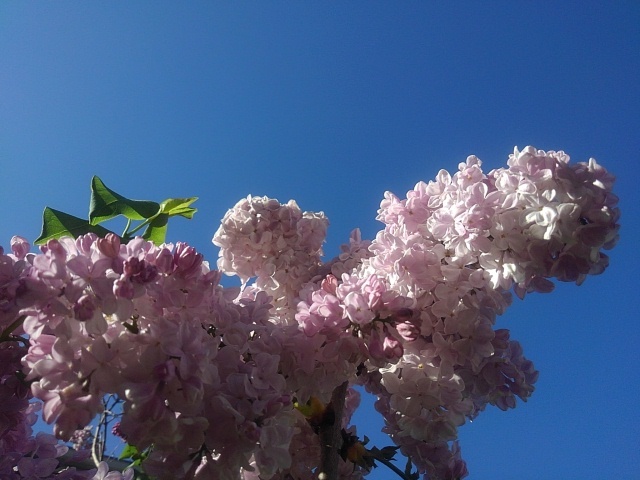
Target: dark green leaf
[(386, 453), (56, 224), (106, 204)]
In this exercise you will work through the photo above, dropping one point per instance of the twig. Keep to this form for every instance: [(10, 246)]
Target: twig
[(391, 466), (66, 460), (6, 333)]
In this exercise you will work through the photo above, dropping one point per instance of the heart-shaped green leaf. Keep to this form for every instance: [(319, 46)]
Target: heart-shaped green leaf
[(156, 232), (56, 224), (179, 207), (106, 204)]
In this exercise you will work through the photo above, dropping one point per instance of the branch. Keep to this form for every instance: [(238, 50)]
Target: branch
[(330, 434), (6, 334), (66, 460)]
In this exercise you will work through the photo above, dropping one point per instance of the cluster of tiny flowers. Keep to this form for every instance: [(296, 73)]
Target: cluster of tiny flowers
[(209, 376), (421, 302), (277, 244), (198, 373), (22, 454), (541, 217), (456, 246)]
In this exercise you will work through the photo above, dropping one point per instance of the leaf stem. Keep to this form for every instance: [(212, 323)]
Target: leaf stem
[(128, 234), (126, 228)]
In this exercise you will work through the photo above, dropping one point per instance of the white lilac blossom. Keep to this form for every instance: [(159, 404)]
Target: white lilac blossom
[(210, 376)]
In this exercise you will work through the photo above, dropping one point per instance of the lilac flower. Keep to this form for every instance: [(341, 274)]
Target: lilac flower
[(209, 375), (103, 473)]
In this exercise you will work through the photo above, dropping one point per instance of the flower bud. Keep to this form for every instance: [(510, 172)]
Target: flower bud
[(110, 245), (187, 260), (19, 246)]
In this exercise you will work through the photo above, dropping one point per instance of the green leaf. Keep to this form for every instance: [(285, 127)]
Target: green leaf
[(56, 224), (106, 204), (129, 451), (156, 232), (179, 207)]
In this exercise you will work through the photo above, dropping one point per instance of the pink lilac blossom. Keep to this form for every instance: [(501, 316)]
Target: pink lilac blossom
[(149, 324), (277, 244), (24, 455), (209, 375)]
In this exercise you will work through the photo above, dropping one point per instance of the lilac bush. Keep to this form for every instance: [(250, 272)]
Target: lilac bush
[(243, 382)]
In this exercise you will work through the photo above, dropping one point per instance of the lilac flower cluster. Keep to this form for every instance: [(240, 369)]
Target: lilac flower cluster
[(23, 455), (278, 245), (199, 373), (209, 376), (456, 246), (423, 298)]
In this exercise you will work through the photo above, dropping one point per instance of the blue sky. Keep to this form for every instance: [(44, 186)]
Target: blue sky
[(332, 104)]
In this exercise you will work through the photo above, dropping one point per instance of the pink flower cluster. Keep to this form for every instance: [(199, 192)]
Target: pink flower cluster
[(456, 246), (209, 375), (199, 373), (423, 299), (278, 245), (23, 455), (542, 217)]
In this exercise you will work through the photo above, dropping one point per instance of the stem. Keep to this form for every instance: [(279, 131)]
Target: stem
[(99, 441), (391, 466), (138, 227), (6, 333), (126, 228), (330, 434), (96, 450), (88, 464)]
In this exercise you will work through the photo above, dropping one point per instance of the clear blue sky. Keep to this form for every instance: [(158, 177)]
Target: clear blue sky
[(332, 103)]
